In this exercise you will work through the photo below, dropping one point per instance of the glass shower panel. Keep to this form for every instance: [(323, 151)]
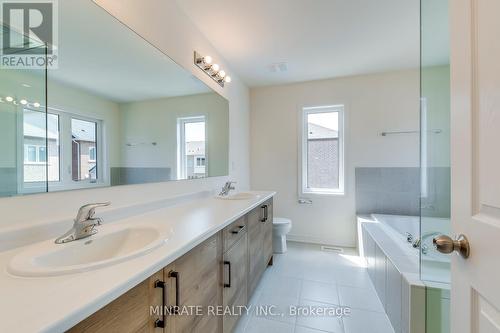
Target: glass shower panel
[(23, 120), (435, 161)]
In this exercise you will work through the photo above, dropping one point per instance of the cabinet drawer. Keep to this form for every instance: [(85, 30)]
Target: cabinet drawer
[(233, 232)]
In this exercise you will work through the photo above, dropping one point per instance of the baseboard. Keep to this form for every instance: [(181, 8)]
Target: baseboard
[(316, 240)]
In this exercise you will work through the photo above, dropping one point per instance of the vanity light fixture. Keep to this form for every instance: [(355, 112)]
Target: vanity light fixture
[(212, 70), (23, 101)]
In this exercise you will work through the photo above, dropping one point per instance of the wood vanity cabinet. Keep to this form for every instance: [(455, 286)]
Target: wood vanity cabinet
[(235, 271), (260, 242), (194, 281), (130, 313), (220, 273)]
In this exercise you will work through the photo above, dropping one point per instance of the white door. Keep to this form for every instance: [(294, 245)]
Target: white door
[(475, 113)]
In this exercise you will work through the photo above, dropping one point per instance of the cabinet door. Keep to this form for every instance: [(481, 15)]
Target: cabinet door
[(130, 313), (194, 281), (235, 280), (255, 248)]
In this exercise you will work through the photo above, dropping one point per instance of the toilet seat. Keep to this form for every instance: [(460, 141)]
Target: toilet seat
[(281, 220)]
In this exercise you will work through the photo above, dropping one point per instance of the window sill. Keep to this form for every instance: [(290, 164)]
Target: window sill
[(323, 193)]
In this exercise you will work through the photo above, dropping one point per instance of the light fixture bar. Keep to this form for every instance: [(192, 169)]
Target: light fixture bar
[(205, 63)]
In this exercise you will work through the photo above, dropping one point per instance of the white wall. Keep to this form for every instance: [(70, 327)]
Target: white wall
[(167, 27), (164, 24), (156, 121), (373, 103)]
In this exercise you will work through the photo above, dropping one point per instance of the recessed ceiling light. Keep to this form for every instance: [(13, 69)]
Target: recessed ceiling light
[(9, 99), (26, 85), (23, 102)]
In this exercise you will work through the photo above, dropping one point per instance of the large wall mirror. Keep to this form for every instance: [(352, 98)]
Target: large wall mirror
[(116, 111)]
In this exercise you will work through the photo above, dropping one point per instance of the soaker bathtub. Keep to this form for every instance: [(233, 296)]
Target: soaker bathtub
[(388, 244)]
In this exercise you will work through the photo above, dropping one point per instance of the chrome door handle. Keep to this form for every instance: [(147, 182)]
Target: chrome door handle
[(446, 245)]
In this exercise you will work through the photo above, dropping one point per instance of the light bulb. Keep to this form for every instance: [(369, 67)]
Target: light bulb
[(215, 67), (227, 79), (36, 104), (207, 60), (23, 102), (222, 74), (9, 99)]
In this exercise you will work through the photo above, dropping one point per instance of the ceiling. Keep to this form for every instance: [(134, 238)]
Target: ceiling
[(102, 56), (316, 39)]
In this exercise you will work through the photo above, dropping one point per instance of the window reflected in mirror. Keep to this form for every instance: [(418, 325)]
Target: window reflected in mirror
[(192, 147), (104, 118)]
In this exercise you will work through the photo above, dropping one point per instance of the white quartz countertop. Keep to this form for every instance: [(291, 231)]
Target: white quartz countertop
[(55, 304)]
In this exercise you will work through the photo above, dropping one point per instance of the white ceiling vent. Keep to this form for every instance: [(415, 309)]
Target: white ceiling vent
[(278, 67)]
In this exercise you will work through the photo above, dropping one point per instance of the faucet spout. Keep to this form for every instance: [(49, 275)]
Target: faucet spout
[(84, 224), (227, 188)]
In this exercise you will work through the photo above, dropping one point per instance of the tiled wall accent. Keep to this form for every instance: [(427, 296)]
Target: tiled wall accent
[(437, 202), (8, 182), (127, 176), (397, 191), (388, 191)]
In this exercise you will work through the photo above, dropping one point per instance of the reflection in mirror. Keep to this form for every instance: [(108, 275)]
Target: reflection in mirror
[(119, 112), (23, 126)]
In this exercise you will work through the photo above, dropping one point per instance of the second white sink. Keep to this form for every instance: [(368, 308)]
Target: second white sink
[(111, 245), (239, 196)]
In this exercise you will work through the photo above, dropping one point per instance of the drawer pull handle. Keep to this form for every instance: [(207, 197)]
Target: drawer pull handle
[(228, 285), (238, 229), (265, 216), (161, 322), (176, 276)]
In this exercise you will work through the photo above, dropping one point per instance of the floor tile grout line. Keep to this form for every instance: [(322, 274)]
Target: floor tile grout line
[(341, 319)]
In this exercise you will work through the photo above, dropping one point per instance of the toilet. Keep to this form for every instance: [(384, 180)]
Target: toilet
[(281, 227)]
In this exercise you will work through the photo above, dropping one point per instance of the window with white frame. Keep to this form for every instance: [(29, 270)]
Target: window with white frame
[(63, 148), (322, 150), (191, 137)]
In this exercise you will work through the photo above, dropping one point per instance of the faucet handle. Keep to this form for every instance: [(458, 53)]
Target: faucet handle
[(86, 212)]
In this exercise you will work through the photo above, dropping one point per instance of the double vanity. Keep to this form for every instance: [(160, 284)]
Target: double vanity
[(97, 126), (176, 265)]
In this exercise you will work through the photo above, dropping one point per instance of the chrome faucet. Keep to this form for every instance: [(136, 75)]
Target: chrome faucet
[(227, 187), (84, 223), (409, 237), (416, 243)]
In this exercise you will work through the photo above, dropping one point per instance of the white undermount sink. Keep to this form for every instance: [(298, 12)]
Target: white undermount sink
[(238, 196), (111, 245)]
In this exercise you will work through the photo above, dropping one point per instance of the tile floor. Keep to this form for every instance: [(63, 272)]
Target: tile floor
[(307, 277)]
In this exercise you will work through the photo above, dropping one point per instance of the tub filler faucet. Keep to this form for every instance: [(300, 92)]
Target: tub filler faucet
[(416, 243), (409, 237)]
